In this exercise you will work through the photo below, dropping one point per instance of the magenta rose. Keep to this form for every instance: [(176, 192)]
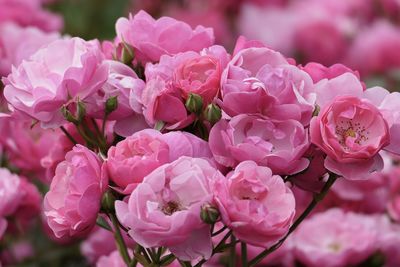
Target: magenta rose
[(164, 210), (335, 238), (277, 145), (73, 201), (138, 155), (256, 205), (261, 81), (152, 38), (62, 72)]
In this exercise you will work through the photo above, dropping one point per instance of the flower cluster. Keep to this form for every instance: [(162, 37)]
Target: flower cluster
[(178, 150)]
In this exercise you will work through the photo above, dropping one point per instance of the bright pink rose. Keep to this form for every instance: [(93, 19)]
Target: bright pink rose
[(335, 239), (138, 155), (58, 74), (73, 202), (152, 38), (17, 44), (164, 210), (29, 13), (171, 80), (318, 71), (277, 145), (256, 205), (261, 81)]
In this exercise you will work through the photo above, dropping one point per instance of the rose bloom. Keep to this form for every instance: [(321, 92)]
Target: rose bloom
[(277, 145), (62, 72), (335, 238), (318, 71), (29, 13), (73, 201), (164, 210), (170, 81), (354, 125), (138, 155), (17, 44), (256, 205), (261, 81), (9, 192), (152, 38), (114, 259), (393, 205)]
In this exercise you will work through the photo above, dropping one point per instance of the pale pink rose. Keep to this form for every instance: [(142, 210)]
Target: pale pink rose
[(164, 210), (375, 49), (26, 145), (138, 155), (101, 242), (73, 201), (152, 38), (62, 72), (279, 145), (261, 81), (335, 239), (17, 44), (171, 80), (393, 205), (9, 191), (256, 205), (114, 259), (29, 13)]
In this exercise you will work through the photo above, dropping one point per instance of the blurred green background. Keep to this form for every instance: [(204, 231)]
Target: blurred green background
[(91, 19)]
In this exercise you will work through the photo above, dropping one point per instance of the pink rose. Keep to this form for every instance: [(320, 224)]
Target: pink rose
[(201, 76), (282, 257), (171, 80), (29, 13), (41, 85), (164, 210), (351, 131), (388, 240), (9, 188), (335, 239), (354, 125), (277, 145), (73, 201), (114, 259), (393, 205), (17, 44), (138, 155), (319, 72), (256, 205), (152, 38), (261, 81)]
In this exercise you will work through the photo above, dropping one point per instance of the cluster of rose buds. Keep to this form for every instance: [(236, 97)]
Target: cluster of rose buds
[(162, 148)]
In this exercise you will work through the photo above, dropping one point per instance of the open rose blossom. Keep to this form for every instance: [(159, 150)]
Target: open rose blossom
[(261, 81), (335, 239), (164, 210), (277, 145), (66, 69), (354, 125), (73, 201), (170, 82), (152, 38), (256, 205), (138, 155)]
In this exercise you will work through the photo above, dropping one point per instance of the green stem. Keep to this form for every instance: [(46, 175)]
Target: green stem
[(123, 250), (232, 252), (316, 199), (68, 135), (134, 261), (244, 253)]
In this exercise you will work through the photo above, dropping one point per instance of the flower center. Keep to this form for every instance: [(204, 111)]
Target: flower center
[(334, 247), (171, 207), (347, 129)]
